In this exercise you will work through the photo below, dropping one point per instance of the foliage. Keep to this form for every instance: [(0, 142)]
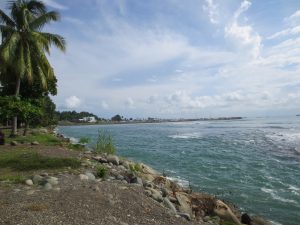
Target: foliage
[(84, 140), (101, 171), (14, 106), (25, 160), (24, 61), (135, 167), (24, 44), (116, 118), (105, 143), (76, 147)]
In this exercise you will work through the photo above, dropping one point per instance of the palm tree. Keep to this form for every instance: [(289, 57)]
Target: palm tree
[(24, 45)]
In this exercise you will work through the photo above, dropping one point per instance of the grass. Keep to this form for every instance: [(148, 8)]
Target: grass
[(14, 178), (76, 147), (101, 171), (135, 167), (26, 160), (45, 139), (105, 143)]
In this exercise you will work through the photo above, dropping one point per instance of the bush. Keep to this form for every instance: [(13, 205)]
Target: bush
[(135, 167), (101, 171), (105, 143), (84, 140)]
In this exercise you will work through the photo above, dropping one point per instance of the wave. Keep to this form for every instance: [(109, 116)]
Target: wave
[(180, 181), (276, 197), (186, 136), (295, 190)]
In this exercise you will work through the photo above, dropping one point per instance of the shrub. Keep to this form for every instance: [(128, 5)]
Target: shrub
[(135, 167), (84, 140), (105, 143), (101, 171)]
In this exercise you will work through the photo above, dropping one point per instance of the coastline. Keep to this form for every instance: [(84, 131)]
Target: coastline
[(68, 123), (224, 210)]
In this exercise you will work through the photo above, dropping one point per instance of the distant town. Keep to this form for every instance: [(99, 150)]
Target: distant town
[(74, 118)]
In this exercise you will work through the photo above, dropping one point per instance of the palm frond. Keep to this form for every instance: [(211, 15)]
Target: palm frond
[(54, 39), (39, 22), (36, 7), (8, 48), (4, 19)]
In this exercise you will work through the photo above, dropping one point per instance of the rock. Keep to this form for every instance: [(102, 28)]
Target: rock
[(148, 184), (125, 164), (120, 177), (184, 203), (185, 215), (13, 143), (52, 180), (113, 159), (156, 195), (137, 180), (169, 205), (37, 179), (147, 169), (122, 168), (47, 187), (83, 177), (30, 192), (224, 212), (147, 177), (172, 199), (206, 218), (29, 182), (44, 174), (164, 192), (256, 220), (96, 188), (90, 176), (148, 193), (245, 219), (35, 143)]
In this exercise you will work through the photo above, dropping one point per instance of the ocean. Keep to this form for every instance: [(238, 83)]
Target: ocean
[(253, 163)]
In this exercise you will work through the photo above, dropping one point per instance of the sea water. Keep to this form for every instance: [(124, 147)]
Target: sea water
[(253, 163)]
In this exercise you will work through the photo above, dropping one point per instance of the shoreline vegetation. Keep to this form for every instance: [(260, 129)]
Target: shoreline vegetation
[(60, 168)]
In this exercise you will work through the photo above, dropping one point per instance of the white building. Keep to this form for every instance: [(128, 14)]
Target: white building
[(89, 119)]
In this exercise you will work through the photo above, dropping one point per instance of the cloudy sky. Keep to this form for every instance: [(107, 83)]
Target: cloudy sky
[(175, 58)]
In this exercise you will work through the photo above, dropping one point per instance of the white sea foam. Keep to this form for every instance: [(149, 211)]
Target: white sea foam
[(295, 190), (275, 196), (180, 181), (186, 136)]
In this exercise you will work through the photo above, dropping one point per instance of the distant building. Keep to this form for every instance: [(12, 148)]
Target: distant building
[(89, 119)]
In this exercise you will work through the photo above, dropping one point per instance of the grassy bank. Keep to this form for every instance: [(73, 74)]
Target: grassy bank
[(19, 162)]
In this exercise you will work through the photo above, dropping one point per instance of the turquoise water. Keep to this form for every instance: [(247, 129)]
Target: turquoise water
[(254, 163)]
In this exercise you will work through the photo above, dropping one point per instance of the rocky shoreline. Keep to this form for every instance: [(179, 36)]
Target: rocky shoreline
[(108, 189), (182, 202)]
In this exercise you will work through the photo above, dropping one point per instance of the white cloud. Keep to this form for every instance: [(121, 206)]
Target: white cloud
[(104, 105), (213, 11), (244, 34), (54, 4), (129, 102), (72, 102), (294, 17), (286, 32)]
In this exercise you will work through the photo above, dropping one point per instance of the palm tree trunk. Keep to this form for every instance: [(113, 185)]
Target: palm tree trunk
[(14, 130), (26, 128)]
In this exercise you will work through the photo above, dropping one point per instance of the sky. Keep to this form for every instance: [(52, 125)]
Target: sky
[(178, 59)]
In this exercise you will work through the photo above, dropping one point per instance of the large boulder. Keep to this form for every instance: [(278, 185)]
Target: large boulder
[(184, 203), (113, 159), (224, 212)]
